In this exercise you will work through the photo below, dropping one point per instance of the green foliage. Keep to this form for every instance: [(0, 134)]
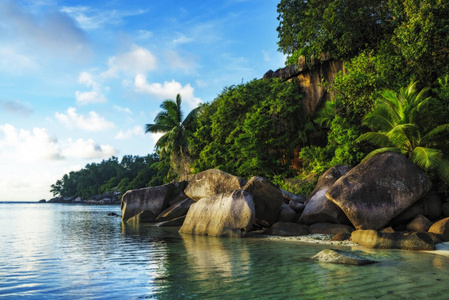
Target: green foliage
[(177, 131), (250, 129), (340, 28), (131, 173), (400, 123), (366, 76), (341, 148), (422, 38)]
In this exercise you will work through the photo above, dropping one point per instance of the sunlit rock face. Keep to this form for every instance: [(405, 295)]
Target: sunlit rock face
[(379, 189), (212, 182), (394, 240), (442, 228), (229, 214)]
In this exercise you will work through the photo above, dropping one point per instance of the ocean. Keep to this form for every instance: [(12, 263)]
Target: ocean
[(76, 251)]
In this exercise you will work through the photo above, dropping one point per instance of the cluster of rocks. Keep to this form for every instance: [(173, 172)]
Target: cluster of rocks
[(112, 197), (384, 202)]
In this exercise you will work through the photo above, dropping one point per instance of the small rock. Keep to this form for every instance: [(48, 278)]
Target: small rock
[(442, 228), (419, 223), (329, 228), (286, 214), (342, 257), (339, 237), (287, 229), (288, 196), (296, 206)]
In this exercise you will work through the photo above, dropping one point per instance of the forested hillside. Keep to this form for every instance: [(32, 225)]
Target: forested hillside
[(393, 96)]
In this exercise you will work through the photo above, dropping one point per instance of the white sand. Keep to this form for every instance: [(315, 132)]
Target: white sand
[(322, 239)]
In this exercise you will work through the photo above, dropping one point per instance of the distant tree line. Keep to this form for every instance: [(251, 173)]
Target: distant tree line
[(132, 172)]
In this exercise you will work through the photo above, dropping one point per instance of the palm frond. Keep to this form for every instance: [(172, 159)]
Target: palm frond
[(426, 158), (376, 138), (401, 134), (191, 118), (381, 150), (381, 118), (443, 169), (156, 128), (439, 130)]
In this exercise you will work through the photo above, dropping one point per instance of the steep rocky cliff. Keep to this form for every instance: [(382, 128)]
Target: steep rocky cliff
[(314, 80)]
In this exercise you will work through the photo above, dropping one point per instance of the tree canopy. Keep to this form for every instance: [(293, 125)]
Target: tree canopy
[(174, 144)]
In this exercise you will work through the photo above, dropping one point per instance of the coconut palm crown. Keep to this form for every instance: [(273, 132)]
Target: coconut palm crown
[(175, 141), (395, 120)]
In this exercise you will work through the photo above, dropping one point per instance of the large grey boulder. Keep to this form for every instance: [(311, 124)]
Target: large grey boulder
[(318, 208), (395, 240), (212, 182), (379, 189), (151, 201), (267, 199), (342, 257), (229, 214), (429, 206)]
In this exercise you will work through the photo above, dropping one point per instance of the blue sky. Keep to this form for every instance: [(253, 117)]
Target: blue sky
[(80, 79)]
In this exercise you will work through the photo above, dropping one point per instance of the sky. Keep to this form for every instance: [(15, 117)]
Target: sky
[(80, 79)]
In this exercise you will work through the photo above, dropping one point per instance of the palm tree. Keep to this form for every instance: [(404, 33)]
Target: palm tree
[(175, 141), (395, 121)]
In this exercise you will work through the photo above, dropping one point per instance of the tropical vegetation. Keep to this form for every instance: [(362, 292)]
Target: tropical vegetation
[(173, 146), (259, 127), (400, 122)]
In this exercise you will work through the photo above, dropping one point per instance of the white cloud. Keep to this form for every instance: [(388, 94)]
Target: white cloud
[(12, 61), (91, 122), (122, 109), (83, 98), (177, 62), (135, 131), (167, 90), (182, 39), (144, 34), (88, 149), (28, 146), (94, 96), (137, 61), (89, 18)]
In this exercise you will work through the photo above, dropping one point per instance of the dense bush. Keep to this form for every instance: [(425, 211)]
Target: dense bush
[(251, 129)]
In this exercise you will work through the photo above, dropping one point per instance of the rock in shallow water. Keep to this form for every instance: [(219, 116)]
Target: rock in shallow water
[(342, 257), (229, 214)]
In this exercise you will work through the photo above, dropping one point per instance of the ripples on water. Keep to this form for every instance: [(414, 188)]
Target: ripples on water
[(57, 251)]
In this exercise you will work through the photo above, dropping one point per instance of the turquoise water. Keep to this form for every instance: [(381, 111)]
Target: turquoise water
[(63, 251)]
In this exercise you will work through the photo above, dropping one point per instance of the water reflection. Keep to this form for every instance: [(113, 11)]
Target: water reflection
[(67, 251), (212, 256)]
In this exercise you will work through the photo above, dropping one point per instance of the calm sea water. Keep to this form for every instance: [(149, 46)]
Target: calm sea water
[(61, 251)]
